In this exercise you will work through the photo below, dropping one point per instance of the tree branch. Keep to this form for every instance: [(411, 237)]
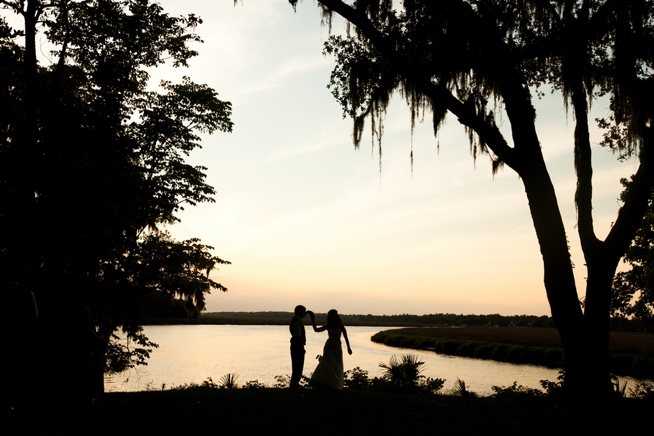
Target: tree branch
[(488, 134), (584, 169)]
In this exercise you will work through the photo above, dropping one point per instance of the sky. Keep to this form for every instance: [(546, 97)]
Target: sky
[(307, 219)]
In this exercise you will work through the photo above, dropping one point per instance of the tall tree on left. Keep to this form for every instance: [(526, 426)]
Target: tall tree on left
[(91, 163)]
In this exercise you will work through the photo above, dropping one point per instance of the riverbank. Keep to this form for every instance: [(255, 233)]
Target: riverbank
[(630, 354), (281, 411)]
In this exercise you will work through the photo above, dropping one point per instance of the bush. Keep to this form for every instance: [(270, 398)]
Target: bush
[(500, 352), (408, 342), (466, 349), (484, 351), (554, 389), (536, 356), (517, 392), (430, 385), (284, 381), (425, 343), (356, 378), (460, 389), (449, 347), (254, 384), (517, 354), (394, 341), (228, 381), (404, 375)]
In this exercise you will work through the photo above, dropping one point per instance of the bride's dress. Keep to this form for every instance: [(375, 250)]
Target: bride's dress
[(329, 371)]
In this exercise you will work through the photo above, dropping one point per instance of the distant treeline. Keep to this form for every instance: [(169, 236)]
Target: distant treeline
[(437, 319), (404, 320)]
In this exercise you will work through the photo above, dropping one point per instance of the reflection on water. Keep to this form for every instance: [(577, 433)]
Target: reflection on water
[(192, 353)]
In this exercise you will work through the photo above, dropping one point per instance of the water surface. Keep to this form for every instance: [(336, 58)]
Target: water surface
[(192, 353)]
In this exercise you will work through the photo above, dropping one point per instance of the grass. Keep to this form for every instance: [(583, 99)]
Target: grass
[(281, 411), (629, 353)]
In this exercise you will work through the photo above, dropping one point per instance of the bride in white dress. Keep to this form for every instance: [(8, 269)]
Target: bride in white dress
[(329, 371)]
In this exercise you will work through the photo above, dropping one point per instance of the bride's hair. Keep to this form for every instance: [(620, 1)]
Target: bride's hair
[(333, 318)]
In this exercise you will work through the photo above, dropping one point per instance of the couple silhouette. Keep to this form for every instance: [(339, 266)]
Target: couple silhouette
[(329, 372)]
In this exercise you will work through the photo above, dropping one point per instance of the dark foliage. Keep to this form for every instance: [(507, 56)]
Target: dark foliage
[(632, 301), (92, 162)]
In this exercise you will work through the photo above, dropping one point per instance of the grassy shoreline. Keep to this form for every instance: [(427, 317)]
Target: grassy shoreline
[(630, 354)]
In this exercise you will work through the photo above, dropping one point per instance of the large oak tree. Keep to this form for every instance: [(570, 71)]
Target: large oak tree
[(475, 59)]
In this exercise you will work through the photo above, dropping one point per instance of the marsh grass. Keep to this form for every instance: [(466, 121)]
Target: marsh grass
[(630, 353)]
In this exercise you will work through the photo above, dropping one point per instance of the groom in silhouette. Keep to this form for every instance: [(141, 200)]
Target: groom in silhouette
[(298, 341)]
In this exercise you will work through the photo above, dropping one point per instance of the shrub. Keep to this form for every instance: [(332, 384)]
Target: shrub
[(282, 381), (449, 347), (430, 385), (209, 384), (356, 378), (535, 356), (484, 351), (425, 343), (466, 349), (554, 389), (500, 352), (517, 354), (408, 342), (517, 392), (254, 384), (404, 375), (460, 389), (228, 381), (404, 371), (394, 341)]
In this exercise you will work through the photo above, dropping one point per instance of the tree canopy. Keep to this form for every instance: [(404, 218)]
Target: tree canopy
[(93, 161), (484, 59)]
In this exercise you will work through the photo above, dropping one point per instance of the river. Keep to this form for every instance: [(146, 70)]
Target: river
[(193, 353)]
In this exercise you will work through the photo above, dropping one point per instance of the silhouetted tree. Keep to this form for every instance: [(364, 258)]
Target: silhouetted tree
[(91, 161), (477, 58)]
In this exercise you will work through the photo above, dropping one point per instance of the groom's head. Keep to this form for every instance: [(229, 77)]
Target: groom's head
[(300, 311)]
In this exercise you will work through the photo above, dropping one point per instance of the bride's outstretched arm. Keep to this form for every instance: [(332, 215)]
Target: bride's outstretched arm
[(313, 323), (347, 341)]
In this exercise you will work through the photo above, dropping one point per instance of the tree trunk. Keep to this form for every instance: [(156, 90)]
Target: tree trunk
[(559, 279)]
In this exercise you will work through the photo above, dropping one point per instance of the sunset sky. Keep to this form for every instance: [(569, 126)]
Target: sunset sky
[(307, 219)]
